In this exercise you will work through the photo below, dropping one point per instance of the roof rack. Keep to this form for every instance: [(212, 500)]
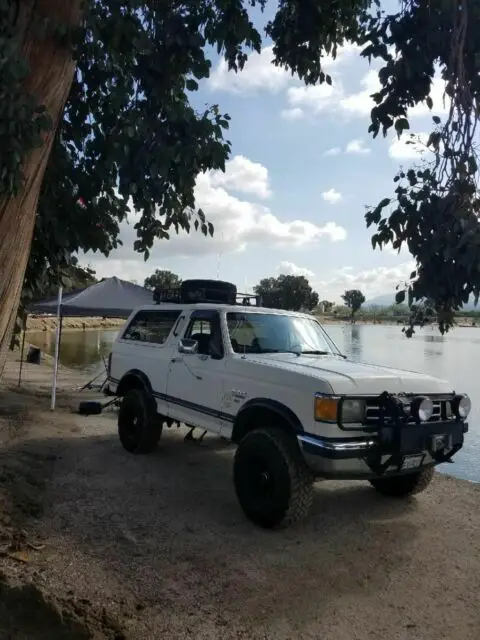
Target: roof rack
[(205, 291)]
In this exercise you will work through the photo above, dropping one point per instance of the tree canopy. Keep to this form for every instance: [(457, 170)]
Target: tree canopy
[(162, 279), (287, 292), (327, 306), (129, 133), (353, 299)]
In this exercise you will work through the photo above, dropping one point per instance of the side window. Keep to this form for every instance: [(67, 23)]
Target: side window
[(151, 326), (205, 329)]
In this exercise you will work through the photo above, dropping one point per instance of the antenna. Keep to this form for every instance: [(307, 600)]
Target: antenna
[(219, 259)]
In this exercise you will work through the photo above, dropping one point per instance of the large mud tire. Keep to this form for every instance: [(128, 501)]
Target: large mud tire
[(139, 426), (272, 482), (404, 486)]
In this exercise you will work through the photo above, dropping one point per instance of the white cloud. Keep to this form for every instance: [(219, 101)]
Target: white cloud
[(334, 151), (409, 147), (332, 196), (441, 103), (356, 146), (289, 268), (336, 99), (238, 224), (259, 72), (371, 282), (292, 114), (333, 98), (361, 103), (314, 99), (241, 174)]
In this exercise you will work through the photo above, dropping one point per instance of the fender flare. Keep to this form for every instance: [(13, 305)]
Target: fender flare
[(287, 416), (134, 378)]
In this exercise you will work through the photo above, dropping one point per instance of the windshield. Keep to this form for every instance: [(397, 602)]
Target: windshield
[(274, 333)]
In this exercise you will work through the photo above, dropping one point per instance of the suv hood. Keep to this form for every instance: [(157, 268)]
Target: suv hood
[(350, 378)]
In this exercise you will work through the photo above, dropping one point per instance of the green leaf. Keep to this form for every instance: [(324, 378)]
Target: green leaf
[(191, 85), (400, 297), (401, 124)]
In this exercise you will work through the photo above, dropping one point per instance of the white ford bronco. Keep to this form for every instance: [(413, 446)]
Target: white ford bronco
[(275, 384)]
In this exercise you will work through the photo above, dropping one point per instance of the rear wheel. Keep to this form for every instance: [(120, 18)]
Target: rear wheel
[(272, 482), (139, 426), (402, 486)]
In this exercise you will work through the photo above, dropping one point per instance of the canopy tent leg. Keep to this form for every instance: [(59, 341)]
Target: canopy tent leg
[(58, 334), (22, 352)]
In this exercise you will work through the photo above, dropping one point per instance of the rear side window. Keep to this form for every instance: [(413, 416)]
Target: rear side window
[(151, 326)]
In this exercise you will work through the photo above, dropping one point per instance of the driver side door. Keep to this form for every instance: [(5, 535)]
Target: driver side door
[(195, 381)]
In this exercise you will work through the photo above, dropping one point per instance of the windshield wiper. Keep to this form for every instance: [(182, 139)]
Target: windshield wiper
[(316, 352), (297, 353)]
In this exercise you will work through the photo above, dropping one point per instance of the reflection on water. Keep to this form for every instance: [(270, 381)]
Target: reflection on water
[(454, 357), (355, 344), (78, 349)]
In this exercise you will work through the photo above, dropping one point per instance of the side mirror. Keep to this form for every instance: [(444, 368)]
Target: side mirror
[(189, 347)]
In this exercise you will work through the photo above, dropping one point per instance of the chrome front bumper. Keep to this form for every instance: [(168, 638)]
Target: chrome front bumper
[(344, 459)]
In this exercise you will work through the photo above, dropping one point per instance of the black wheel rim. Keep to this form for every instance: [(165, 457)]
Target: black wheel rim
[(260, 484), (131, 426)]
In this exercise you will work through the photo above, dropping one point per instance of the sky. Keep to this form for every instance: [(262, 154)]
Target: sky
[(293, 197)]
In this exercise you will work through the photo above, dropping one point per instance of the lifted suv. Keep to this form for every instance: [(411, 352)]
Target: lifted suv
[(274, 383)]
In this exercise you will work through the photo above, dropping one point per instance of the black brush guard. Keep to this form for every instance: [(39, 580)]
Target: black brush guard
[(399, 438)]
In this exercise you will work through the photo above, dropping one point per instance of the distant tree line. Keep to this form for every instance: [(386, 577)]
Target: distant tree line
[(289, 292)]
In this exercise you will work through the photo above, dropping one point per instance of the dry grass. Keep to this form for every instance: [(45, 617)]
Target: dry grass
[(47, 323)]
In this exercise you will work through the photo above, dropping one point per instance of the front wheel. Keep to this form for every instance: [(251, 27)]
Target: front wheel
[(139, 426), (403, 486), (272, 482)]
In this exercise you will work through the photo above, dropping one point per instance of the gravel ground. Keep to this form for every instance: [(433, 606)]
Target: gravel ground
[(122, 546)]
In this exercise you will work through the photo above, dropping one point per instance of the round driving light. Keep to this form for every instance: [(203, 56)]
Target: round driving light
[(422, 409), (462, 405)]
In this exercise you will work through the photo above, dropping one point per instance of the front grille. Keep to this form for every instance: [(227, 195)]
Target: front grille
[(372, 412)]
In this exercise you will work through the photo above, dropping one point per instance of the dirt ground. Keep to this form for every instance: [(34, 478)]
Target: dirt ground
[(97, 543)]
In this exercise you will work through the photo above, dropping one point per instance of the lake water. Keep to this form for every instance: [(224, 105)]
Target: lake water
[(454, 357)]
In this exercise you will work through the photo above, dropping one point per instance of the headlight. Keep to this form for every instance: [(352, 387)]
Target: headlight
[(461, 406), (327, 409), (422, 408), (353, 410)]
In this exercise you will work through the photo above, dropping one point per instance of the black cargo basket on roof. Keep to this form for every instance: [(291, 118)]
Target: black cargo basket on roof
[(210, 291)]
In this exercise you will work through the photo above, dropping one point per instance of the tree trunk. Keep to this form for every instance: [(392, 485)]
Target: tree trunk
[(51, 75)]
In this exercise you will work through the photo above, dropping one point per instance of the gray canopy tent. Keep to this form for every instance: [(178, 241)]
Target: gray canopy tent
[(109, 298)]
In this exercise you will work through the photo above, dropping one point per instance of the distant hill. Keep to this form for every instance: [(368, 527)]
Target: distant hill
[(387, 299), (383, 300)]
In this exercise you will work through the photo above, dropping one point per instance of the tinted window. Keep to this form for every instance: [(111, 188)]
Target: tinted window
[(274, 333), (151, 326)]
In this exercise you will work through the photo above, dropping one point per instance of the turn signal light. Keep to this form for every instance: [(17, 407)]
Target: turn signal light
[(326, 409)]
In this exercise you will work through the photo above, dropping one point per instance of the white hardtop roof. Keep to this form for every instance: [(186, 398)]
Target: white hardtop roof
[(167, 306)]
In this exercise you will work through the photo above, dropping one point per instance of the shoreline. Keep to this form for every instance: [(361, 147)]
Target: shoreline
[(49, 323)]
